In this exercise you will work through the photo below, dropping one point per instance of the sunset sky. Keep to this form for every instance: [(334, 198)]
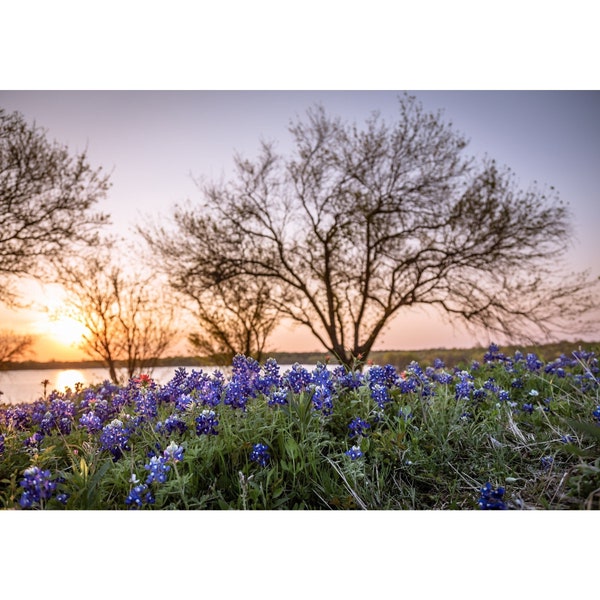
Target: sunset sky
[(154, 143)]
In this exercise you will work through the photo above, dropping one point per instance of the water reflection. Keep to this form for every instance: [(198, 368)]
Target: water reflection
[(68, 379)]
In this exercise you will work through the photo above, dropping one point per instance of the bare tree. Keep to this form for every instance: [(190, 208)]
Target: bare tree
[(235, 314), (234, 318), (124, 314), (46, 197), (362, 222), (14, 346)]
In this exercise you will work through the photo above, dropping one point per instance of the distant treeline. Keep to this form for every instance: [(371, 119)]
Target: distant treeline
[(452, 357)]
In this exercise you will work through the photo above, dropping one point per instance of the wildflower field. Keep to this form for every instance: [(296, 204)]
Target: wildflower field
[(508, 432)]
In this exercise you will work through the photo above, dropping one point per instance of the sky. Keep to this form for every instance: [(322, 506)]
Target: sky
[(157, 144)]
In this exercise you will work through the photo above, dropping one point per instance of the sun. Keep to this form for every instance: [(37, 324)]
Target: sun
[(65, 330), (56, 321)]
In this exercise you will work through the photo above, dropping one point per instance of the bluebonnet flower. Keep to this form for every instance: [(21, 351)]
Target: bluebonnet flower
[(278, 397), (546, 462), (91, 421), (62, 498), (1, 444), (18, 417), (146, 403), (464, 388), (479, 394), (503, 396), (380, 395), (297, 378), (37, 486), (158, 468), (114, 437), (444, 378), (260, 454), (34, 440), (56, 414), (242, 385), (184, 402), (358, 427), (323, 389), (491, 499), (104, 410), (527, 407), (388, 376), (493, 354), (345, 379), (47, 423), (438, 363), (567, 439), (175, 387), (354, 452), (490, 384), (271, 377), (517, 383), (138, 496), (173, 453), (596, 414), (212, 389), (171, 423), (207, 423), (322, 399), (533, 363)]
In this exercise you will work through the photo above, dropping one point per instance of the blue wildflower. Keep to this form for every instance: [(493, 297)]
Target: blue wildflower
[(596, 414), (173, 453), (34, 441), (380, 395), (546, 462), (534, 364), (260, 454), (354, 452), (297, 378), (171, 423), (37, 486), (207, 423), (114, 438), (358, 427), (491, 499), (465, 386), (158, 468), (1, 444), (278, 397), (91, 421), (271, 377), (138, 496), (322, 399), (503, 396)]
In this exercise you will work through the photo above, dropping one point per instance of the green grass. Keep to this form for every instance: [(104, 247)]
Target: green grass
[(424, 450)]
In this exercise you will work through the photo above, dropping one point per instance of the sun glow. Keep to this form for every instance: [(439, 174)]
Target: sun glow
[(65, 330), (56, 322), (68, 379)]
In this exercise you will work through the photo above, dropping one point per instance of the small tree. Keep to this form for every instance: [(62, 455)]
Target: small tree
[(235, 318), (46, 197), (360, 223), (235, 314), (14, 346), (125, 317)]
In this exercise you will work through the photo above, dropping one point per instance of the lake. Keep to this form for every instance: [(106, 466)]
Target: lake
[(26, 385)]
